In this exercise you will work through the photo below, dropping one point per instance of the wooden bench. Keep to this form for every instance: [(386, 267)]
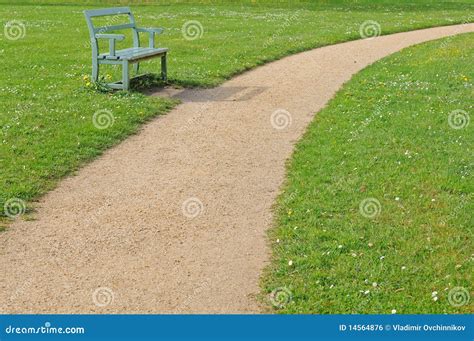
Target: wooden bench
[(125, 57)]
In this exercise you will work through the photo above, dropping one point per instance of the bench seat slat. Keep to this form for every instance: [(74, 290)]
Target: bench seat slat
[(134, 53)]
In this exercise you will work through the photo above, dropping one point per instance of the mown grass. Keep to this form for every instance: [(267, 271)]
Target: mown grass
[(384, 136), (46, 118)]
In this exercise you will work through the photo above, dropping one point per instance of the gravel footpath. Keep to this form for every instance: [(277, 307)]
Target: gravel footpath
[(174, 219)]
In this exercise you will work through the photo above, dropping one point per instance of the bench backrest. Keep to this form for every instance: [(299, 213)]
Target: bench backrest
[(116, 13)]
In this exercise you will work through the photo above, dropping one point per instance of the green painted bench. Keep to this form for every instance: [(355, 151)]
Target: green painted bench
[(133, 55)]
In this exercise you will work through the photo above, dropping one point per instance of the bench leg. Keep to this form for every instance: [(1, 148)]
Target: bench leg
[(125, 76), (95, 71), (136, 68), (164, 70)]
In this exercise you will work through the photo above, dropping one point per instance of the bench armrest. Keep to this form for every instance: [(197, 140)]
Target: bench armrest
[(151, 32), (112, 38)]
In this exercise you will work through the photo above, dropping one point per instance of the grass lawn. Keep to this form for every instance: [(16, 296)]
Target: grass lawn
[(46, 121), (376, 214)]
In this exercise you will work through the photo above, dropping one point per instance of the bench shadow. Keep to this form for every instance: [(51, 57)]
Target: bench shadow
[(144, 82), (219, 94), (152, 85)]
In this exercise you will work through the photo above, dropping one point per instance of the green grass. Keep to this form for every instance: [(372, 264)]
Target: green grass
[(46, 118), (384, 136)]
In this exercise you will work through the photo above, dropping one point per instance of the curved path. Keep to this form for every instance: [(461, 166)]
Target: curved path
[(174, 218)]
